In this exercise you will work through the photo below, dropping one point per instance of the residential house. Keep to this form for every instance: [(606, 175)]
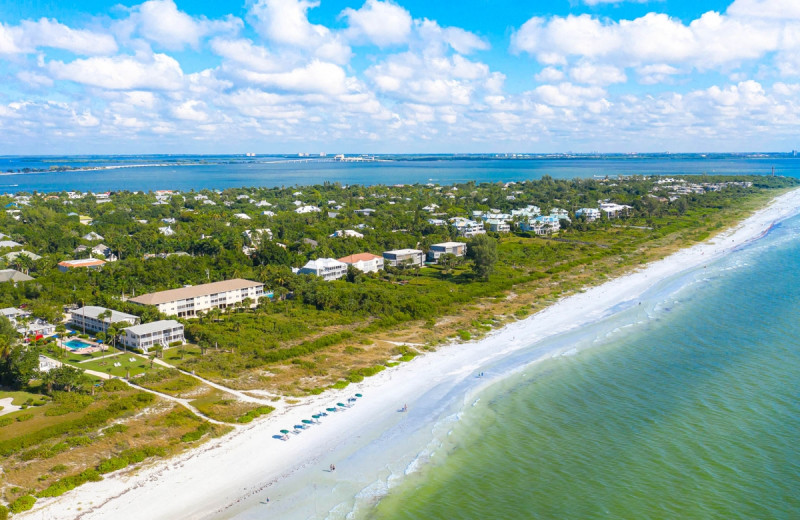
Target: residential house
[(366, 212), (26, 325), (498, 225), (307, 209), (590, 214), (528, 212), (613, 210), (560, 214), (189, 301), (13, 276), (88, 318), (242, 216), (9, 243), (541, 225), (92, 236), (404, 257), (10, 257), (346, 233), (467, 228), (167, 231), (326, 268), (157, 333), (104, 251), (453, 248), (365, 262), (88, 263)]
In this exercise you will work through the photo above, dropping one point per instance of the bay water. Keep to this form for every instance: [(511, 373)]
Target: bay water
[(685, 405), (196, 172)]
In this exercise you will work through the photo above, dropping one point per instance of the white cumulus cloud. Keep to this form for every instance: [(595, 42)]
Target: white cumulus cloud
[(157, 72), (382, 23)]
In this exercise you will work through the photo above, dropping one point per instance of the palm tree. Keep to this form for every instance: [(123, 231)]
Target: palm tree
[(111, 333)]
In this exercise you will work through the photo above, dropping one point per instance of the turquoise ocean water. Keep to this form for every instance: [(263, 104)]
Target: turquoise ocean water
[(686, 406)]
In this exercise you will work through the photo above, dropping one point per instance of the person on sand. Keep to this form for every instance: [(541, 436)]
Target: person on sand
[(333, 468)]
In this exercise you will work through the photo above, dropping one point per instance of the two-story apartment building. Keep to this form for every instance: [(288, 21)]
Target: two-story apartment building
[(148, 335), (404, 257), (188, 301), (88, 319), (453, 248)]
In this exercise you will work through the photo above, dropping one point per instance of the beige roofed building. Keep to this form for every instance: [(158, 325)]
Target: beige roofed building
[(188, 301)]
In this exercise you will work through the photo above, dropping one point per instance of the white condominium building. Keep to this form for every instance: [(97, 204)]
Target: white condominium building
[(88, 318), (152, 334), (188, 301)]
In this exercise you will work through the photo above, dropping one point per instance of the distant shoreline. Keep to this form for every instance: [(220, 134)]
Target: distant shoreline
[(189, 486)]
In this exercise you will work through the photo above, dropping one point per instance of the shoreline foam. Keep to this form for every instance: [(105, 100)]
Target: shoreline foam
[(230, 476)]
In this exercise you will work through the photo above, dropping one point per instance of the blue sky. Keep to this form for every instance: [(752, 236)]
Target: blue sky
[(286, 76)]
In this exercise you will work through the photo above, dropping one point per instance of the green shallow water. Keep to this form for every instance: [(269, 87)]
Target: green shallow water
[(691, 413)]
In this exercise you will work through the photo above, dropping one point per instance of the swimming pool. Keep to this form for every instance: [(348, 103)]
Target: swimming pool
[(76, 344)]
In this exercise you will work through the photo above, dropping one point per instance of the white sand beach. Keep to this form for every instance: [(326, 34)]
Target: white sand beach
[(372, 443)]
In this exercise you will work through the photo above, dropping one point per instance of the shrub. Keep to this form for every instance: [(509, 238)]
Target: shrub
[(115, 385), (3, 513), (196, 434), (58, 468), (24, 417), (252, 414), (112, 464), (65, 484), (176, 344), (22, 504), (5, 421), (464, 335), (117, 428)]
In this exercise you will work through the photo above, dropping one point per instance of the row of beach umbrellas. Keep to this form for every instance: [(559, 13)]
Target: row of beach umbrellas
[(306, 423)]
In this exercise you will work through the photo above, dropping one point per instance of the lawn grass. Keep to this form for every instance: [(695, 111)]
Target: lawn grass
[(73, 357), (177, 356), (23, 398), (106, 366)]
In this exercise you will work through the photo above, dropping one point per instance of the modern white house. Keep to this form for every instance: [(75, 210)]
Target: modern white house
[(528, 211), (613, 210), (560, 214), (88, 318), (404, 257), (365, 262), (591, 214), (453, 248), (148, 335), (468, 228), (542, 225), (326, 268), (307, 209), (188, 301), (498, 225)]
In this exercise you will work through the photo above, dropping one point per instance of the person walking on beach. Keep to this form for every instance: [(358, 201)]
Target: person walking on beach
[(333, 468)]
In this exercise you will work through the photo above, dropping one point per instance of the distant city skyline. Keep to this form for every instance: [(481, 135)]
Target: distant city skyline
[(288, 76)]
